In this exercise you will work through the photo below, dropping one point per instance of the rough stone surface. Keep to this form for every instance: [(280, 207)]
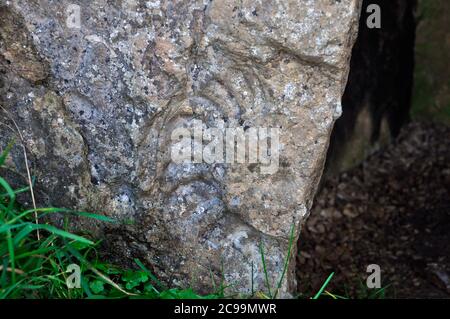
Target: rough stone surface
[(97, 104)]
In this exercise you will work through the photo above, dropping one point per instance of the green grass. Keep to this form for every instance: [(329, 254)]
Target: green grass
[(33, 266), (38, 268)]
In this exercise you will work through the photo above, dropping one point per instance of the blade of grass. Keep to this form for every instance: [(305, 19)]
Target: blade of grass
[(266, 275), (25, 156), (286, 261), (325, 284), (31, 227), (149, 273), (97, 272), (10, 192), (11, 256), (54, 210), (16, 192), (31, 211)]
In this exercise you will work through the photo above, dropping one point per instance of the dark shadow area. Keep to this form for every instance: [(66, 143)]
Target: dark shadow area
[(377, 98), (385, 197)]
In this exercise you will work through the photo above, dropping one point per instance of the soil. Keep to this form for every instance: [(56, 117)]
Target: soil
[(392, 210)]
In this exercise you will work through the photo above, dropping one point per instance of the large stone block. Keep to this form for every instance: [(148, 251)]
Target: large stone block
[(98, 96)]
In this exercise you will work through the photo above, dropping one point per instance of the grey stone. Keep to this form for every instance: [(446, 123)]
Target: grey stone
[(97, 105)]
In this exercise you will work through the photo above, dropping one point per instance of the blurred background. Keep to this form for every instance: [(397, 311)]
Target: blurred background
[(385, 195)]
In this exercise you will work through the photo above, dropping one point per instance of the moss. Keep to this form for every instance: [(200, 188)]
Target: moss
[(431, 98)]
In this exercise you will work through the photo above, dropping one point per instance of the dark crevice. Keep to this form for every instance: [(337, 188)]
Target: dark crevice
[(380, 79)]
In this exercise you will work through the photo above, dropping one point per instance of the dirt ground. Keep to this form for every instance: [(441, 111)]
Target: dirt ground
[(392, 210)]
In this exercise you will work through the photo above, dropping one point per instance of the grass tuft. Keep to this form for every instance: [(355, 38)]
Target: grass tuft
[(37, 267), (35, 259)]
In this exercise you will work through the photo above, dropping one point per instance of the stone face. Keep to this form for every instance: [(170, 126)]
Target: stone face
[(97, 102)]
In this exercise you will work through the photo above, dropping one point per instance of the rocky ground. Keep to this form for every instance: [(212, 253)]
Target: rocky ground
[(392, 210)]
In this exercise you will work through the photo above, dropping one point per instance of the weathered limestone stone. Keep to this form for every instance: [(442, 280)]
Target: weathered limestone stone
[(97, 103)]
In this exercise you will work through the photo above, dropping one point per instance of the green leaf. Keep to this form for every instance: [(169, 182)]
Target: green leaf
[(97, 286), (149, 273), (149, 288), (134, 278)]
